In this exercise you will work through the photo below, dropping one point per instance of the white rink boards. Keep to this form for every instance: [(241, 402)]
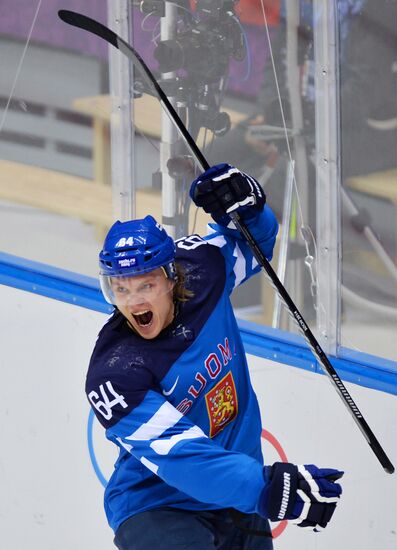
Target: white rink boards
[(51, 494)]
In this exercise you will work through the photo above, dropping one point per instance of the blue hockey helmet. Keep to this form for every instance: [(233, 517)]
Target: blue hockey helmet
[(134, 248)]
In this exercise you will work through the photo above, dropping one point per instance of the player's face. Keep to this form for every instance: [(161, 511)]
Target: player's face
[(146, 301)]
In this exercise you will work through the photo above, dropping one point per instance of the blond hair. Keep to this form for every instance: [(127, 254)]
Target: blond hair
[(181, 293)]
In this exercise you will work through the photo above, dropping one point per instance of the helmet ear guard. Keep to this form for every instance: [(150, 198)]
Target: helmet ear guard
[(170, 271)]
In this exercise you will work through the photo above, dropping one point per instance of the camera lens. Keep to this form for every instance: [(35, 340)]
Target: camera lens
[(169, 55)]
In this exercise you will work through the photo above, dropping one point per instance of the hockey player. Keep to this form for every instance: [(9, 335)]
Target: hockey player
[(168, 379)]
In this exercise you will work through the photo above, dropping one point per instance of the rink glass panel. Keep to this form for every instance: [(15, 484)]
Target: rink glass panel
[(368, 111), (57, 107), (261, 85), (47, 140)]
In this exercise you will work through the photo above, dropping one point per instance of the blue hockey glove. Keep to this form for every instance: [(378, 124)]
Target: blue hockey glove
[(306, 495), (223, 189)]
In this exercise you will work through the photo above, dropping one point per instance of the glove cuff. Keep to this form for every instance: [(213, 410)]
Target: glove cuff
[(277, 499)]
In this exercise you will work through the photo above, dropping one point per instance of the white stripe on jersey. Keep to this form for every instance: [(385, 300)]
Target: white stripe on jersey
[(166, 417), (150, 465), (163, 446), (218, 241), (125, 445), (240, 266)]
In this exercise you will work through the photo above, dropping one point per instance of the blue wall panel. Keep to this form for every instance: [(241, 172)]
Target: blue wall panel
[(280, 346)]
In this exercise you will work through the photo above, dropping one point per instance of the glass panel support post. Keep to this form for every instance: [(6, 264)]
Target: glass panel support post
[(169, 134), (121, 116), (283, 253), (293, 74), (328, 217)]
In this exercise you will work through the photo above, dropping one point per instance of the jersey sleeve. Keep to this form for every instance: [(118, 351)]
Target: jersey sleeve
[(180, 453), (240, 261)]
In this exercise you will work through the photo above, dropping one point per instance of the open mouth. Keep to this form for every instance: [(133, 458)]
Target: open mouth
[(143, 318)]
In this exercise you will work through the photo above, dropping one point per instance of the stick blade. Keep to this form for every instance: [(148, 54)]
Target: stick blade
[(86, 23)]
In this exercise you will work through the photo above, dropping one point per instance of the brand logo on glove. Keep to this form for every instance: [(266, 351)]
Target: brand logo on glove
[(222, 404), (286, 493)]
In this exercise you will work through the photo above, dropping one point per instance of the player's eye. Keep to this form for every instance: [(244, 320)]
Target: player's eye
[(147, 286), (121, 290)]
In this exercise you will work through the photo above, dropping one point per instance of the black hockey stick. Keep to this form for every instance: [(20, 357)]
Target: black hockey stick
[(90, 25)]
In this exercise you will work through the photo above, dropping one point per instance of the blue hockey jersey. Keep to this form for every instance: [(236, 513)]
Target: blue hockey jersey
[(181, 407)]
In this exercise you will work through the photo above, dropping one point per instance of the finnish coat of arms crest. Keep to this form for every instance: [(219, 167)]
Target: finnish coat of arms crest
[(222, 404)]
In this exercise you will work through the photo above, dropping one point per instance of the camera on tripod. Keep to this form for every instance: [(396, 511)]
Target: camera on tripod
[(211, 37), (206, 37)]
